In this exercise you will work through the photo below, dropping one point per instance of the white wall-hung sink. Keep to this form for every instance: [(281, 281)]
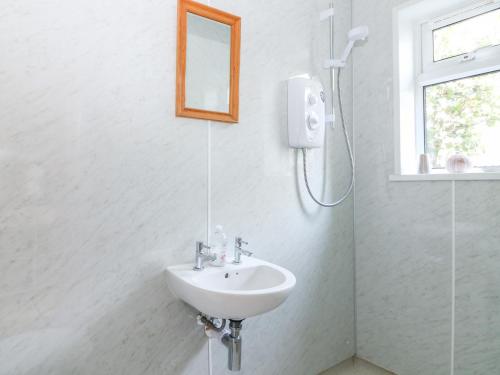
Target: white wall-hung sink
[(233, 291)]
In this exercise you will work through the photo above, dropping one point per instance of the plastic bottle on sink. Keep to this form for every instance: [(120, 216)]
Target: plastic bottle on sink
[(219, 246)]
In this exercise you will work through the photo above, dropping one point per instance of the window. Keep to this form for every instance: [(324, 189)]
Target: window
[(463, 116), (458, 90), (468, 35), (447, 83)]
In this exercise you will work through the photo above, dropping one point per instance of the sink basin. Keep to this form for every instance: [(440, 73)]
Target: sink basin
[(233, 291)]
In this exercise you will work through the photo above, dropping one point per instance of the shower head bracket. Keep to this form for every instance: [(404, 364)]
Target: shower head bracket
[(326, 14), (336, 63)]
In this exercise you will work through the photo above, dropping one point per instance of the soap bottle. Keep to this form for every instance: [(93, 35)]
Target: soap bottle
[(219, 247)]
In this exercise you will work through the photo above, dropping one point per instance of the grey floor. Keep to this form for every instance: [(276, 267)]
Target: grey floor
[(356, 367)]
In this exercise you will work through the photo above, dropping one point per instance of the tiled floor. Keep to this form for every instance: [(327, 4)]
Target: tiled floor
[(356, 367)]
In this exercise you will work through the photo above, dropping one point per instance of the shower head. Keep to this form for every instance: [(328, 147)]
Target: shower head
[(358, 33)]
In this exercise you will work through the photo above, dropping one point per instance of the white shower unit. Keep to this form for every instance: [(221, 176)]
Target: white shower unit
[(306, 113), (306, 106)]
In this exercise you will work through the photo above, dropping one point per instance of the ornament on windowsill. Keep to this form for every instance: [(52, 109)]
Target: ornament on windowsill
[(424, 164), (458, 164)]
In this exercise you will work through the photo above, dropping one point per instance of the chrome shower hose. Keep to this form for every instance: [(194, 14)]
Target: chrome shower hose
[(349, 149)]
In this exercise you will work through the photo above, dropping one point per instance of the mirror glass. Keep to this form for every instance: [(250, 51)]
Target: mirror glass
[(208, 61)]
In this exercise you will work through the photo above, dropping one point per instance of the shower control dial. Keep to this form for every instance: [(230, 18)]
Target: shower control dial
[(312, 121), (312, 99)]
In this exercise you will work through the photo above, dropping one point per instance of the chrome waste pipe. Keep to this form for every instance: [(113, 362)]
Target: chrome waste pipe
[(232, 340)]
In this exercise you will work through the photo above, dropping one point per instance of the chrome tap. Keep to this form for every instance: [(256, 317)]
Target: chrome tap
[(238, 242), (201, 256)]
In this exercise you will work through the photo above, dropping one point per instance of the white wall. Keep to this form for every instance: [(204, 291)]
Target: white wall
[(102, 188), (406, 234)]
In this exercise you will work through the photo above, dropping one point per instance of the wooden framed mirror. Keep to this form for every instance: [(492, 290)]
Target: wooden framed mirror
[(208, 63)]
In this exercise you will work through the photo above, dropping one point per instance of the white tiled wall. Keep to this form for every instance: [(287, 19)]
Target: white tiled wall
[(101, 187), (404, 239), (477, 338)]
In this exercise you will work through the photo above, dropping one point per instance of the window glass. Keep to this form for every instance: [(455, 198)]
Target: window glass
[(467, 35), (463, 117)]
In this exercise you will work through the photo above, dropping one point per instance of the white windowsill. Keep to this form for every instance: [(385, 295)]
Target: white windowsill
[(444, 176)]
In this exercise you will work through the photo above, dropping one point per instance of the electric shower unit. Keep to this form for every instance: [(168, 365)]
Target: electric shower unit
[(307, 110)]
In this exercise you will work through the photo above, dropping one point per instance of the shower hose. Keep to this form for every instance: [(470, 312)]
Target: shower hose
[(349, 150)]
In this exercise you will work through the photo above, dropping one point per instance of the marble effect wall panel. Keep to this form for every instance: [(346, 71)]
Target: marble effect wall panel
[(404, 239), (102, 188)]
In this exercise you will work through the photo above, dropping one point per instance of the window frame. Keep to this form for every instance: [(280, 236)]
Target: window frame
[(464, 14), (429, 72)]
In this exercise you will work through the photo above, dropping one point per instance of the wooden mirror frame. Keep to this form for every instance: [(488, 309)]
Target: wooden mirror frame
[(188, 6)]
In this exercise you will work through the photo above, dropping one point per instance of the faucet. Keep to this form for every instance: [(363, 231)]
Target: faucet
[(238, 242), (200, 256)]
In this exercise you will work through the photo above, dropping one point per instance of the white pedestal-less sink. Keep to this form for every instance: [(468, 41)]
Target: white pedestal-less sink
[(233, 291)]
